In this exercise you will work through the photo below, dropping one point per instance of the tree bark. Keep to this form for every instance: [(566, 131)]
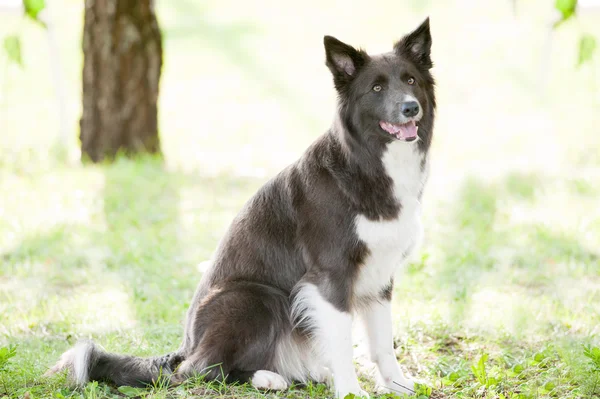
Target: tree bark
[(122, 61)]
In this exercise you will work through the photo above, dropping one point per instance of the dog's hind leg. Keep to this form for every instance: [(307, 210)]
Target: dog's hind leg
[(295, 359), (236, 332)]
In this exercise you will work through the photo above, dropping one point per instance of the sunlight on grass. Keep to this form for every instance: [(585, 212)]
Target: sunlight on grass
[(87, 309), (65, 197)]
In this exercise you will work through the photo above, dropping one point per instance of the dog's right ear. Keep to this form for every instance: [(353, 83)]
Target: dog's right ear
[(344, 61)]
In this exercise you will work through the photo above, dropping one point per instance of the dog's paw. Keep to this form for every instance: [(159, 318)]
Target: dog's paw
[(264, 379), (400, 385), (322, 375)]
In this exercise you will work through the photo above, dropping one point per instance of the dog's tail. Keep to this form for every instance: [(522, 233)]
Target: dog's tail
[(88, 362)]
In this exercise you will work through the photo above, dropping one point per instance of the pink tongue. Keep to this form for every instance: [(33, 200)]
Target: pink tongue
[(405, 131)]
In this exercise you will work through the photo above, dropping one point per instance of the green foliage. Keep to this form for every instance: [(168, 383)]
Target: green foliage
[(12, 46), (480, 372), (132, 392), (587, 42), (566, 8), (92, 390), (587, 46), (423, 391), (82, 254), (6, 353), (593, 353), (62, 393), (478, 369), (12, 43), (590, 373), (33, 9)]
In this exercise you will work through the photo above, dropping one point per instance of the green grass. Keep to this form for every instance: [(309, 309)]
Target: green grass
[(503, 299), (108, 252)]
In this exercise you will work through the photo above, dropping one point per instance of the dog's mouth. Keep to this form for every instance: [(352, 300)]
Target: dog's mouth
[(404, 132)]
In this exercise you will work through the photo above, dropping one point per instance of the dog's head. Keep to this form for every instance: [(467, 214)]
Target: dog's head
[(389, 96)]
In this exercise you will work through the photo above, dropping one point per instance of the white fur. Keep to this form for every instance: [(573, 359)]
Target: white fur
[(264, 379), (332, 337), (81, 361), (76, 360), (390, 242), (289, 361), (295, 361), (377, 320)]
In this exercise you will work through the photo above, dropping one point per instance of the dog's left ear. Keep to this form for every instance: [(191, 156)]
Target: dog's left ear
[(417, 45)]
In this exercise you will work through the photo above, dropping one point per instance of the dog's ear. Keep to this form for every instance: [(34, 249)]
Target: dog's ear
[(417, 46), (344, 61)]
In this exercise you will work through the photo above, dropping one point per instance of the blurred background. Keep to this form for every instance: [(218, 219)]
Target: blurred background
[(510, 262)]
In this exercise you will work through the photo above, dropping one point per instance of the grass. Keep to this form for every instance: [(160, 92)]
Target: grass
[(497, 303), (503, 299)]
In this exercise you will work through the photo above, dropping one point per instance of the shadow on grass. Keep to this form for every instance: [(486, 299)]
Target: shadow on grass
[(141, 210)]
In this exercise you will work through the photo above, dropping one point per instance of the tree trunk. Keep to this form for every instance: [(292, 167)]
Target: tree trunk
[(122, 60)]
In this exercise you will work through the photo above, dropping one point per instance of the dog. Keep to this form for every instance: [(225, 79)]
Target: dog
[(315, 246)]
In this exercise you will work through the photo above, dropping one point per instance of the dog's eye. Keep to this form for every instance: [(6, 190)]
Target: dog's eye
[(377, 88), (411, 81)]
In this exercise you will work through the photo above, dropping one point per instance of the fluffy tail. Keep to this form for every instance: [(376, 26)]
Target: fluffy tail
[(88, 362)]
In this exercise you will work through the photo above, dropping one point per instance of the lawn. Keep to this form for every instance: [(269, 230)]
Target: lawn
[(503, 298)]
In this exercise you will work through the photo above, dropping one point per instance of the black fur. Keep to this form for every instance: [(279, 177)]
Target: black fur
[(299, 227)]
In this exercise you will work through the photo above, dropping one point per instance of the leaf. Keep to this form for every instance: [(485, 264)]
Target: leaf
[(593, 353), (479, 370), (12, 46), (131, 392), (517, 369), (60, 394), (422, 390), (6, 353), (33, 9), (566, 8), (587, 46), (549, 386), (453, 376)]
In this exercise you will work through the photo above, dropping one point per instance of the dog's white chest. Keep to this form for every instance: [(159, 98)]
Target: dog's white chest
[(390, 242)]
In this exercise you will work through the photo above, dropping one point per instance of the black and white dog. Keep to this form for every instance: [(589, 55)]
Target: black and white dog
[(314, 246)]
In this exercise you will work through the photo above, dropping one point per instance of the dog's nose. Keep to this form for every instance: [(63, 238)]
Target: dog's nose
[(410, 108)]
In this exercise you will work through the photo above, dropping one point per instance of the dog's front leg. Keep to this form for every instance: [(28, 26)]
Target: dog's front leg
[(377, 320), (331, 331)]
